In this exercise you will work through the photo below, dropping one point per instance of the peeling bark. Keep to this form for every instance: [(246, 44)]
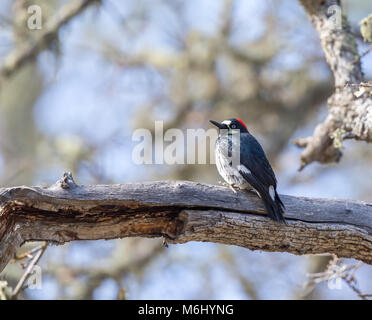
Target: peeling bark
[(180, 211)]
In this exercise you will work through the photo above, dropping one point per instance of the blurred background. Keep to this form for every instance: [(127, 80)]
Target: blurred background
[(121, 65)]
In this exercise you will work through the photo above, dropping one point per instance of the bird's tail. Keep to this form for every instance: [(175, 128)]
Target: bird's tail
[(274, 207)]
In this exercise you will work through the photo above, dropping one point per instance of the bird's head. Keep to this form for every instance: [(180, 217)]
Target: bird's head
[(231, 126)]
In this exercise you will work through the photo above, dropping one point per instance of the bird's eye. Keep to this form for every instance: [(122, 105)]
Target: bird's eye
[(233, 126)]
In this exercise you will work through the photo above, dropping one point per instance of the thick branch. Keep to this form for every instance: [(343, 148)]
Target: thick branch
[(347, 113), (180, 211), (22, 54)]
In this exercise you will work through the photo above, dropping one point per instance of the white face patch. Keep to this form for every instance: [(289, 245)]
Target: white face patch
[(272, 192), (227, 122)]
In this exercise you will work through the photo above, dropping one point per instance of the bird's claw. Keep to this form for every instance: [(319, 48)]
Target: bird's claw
[(225, 184), (232, 188)]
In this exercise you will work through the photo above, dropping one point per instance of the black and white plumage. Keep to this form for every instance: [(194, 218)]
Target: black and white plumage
[(242, 163)]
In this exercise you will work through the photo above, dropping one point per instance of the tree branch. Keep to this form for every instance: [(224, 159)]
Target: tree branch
[(348, 113), (22, 54), (180, 211), (28, 271)]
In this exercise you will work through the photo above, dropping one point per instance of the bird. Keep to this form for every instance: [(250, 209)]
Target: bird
[(242, 163)]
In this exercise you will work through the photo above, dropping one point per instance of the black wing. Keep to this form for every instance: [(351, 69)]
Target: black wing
[(260, 176)]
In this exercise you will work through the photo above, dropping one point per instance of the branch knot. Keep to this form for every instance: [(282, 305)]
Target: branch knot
[(67, 181)]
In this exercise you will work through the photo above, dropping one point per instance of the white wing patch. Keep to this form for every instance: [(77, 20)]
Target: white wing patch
[(272, 192), (244, 169)]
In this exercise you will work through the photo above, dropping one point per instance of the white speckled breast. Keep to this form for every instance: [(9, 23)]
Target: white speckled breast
[(229, 173)]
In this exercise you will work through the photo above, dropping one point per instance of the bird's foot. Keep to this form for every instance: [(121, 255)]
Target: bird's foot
[(223, 183), (232, 187)]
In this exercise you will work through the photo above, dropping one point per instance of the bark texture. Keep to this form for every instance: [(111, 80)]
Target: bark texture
[(350, 114), (180, 211)]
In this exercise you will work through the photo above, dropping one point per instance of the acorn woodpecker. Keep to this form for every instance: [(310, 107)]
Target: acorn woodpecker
[(242, 163)]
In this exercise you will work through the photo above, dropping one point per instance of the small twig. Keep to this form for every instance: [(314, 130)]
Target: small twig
[(27, 254), (356, 267), (351, 282), (28, 271), (337, 269), (122, 294), (365, 52), (362, 84), (3, 285), (164, 243)]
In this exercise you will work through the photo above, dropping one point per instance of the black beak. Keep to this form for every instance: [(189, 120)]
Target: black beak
[(219, 125)]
